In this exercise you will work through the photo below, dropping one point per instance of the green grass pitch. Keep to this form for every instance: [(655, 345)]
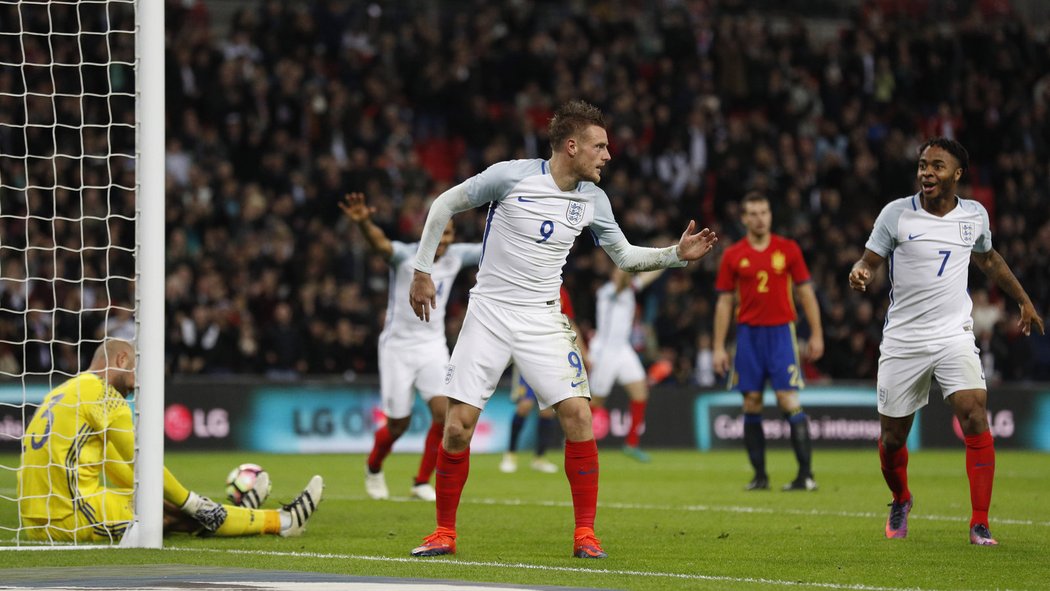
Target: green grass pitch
[(681, 522)]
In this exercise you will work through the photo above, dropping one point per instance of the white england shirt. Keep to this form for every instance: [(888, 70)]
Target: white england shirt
[(614, 317), (401, 323), (929, 261), (531, 227)]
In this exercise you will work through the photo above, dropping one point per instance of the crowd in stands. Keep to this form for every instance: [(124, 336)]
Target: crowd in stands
[(67, 183), (273, 118)]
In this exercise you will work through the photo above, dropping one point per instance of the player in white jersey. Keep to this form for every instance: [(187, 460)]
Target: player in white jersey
[(412, 354), (929, 239), (613, 358), (537, 208), (524, 399)]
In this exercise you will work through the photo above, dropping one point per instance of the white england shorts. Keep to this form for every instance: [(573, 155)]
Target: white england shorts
[(538, 340), (616, 364), (406, 367), (905, 375)]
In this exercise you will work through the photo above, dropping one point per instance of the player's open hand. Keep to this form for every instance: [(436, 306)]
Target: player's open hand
[(859, 278), (693, 247), (720, 362), (355, 208), (422, 295), (1029, 317), (814, 349)]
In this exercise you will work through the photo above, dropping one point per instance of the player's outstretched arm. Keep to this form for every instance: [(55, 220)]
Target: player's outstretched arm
[(694, 246), (633, 259), (993, 265), (646, 278), (358, 211), (863, 270)]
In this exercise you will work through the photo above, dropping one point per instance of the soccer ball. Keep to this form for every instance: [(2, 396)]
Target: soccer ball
[(248, 485)]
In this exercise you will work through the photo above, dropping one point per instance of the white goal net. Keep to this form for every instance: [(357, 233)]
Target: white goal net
[(71, 198)]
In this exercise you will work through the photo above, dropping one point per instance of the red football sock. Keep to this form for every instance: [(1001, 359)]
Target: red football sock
[(581, 466), (895, 471), (980, 468), (452, 470), (430, 452), (380, 449), (637, 419)]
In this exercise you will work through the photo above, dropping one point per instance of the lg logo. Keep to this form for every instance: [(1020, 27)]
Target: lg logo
[(180, 422), (613, 422)]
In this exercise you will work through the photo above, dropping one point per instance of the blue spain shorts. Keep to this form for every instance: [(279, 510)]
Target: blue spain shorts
[(519, 388), (767, 352)]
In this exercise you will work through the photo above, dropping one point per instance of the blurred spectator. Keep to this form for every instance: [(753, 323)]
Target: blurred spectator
[(704, 374), (282, 345)]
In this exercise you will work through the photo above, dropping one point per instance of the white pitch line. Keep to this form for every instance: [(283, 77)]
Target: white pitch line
[(707, 509), (567, 569)]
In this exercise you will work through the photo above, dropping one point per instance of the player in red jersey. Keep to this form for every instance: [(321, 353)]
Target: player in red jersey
[(759, 271)]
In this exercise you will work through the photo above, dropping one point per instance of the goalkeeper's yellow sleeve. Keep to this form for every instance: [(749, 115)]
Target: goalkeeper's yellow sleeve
[(120, 448), (174, 492)]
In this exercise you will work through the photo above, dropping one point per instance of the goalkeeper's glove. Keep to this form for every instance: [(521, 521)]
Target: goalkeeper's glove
[(205, 511)]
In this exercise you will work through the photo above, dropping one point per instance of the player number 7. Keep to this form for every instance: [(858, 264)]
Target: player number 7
[(946, 254)]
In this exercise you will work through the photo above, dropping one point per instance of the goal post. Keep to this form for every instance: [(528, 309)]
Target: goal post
[(81, 240), (147, 531)]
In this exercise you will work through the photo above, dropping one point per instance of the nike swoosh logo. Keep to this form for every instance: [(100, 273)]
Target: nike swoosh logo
[(984, 465), (576, 384), (914, 236), (586, 472), (524, 200)]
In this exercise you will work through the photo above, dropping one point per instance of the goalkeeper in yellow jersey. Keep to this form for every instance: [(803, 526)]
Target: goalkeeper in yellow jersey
[(76, 477)]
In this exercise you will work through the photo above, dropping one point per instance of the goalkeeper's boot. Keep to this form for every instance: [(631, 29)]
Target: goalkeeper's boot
[(302, 507), (375, 485), (439, 543), (586, 544), (980, 536), (254, 498), (897, 522)]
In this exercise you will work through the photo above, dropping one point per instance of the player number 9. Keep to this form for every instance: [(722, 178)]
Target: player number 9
[(546, 230), (575, 362)]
